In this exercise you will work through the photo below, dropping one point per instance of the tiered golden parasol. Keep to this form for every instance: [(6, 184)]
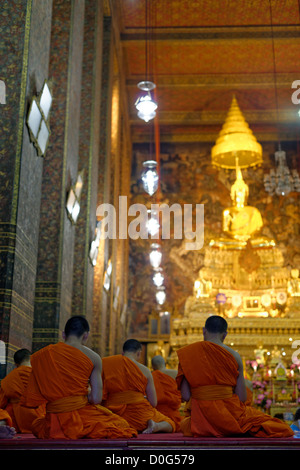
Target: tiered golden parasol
[(236, 140)]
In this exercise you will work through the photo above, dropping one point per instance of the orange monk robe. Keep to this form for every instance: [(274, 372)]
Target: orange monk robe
[(4, 416), (215, 409), (60, 378), (168, 396), (12, 390), (124, 392)]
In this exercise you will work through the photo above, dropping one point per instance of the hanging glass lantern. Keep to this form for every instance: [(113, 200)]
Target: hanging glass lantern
[(155, 255), (145, 105), (158, 278), (152, 224), (150, 177), (161, 296)]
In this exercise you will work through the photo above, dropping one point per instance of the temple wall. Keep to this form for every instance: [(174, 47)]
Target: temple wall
[(46, 273), (25, 32)]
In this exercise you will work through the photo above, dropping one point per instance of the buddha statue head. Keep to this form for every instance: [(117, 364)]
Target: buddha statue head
[(239, 190)]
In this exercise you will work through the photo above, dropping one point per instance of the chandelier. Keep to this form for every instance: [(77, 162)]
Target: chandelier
[(281, 181)]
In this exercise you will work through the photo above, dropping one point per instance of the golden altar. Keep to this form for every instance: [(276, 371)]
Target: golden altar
[(244, 279)]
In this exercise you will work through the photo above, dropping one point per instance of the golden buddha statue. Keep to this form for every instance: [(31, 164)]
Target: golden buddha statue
[(294, 283), (260, 354), (240, 221), (202, 287)]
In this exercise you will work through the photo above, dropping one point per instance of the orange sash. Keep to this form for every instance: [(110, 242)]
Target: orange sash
[(125, 398), (212, 392), (66, 404)]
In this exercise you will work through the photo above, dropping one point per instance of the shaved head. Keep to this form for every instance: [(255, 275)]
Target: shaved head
[(21, 355), (215, 327), (132, 345), (216, 324), (158, 362), (77, 325)]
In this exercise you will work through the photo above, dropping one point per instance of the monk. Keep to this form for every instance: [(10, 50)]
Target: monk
[(12, 391), (168, 396), (67, 377), (7, 431), (210, 374), (129, 390)]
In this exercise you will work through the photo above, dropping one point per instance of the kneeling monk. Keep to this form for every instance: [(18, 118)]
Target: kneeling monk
[(168, 395), (129, 390), (61, 374), (210, 374), (12, 391)]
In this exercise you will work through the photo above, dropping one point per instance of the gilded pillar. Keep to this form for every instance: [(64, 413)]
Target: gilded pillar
[(101, 298)]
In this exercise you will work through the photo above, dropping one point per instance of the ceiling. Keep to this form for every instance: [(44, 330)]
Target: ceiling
[(202, 52)]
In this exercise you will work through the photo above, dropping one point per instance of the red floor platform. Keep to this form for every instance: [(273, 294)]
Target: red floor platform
[(145, 442)]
